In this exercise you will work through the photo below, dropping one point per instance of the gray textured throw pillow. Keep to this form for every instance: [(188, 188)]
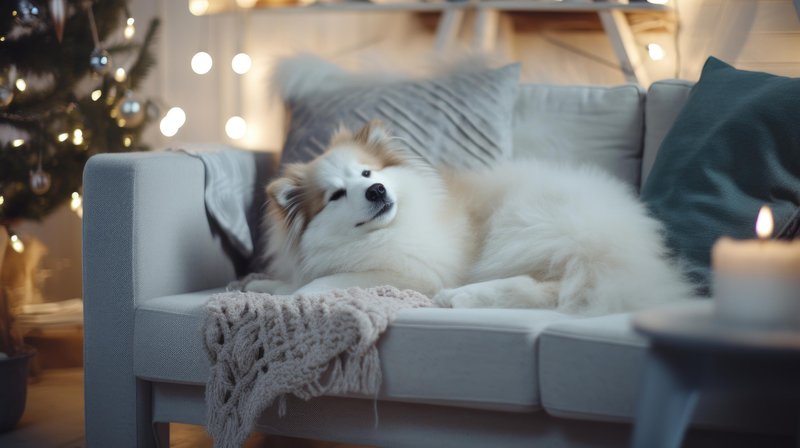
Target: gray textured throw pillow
[(463, 119)]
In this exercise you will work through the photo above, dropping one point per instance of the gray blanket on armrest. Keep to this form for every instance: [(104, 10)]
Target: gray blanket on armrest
[(233, 200)]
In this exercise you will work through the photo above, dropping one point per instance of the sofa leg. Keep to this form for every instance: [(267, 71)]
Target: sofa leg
[(161, 434)]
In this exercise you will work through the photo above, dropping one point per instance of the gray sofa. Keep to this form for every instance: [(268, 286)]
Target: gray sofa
[(460, 378)]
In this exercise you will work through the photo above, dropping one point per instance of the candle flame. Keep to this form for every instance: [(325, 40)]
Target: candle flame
[(764, 223)]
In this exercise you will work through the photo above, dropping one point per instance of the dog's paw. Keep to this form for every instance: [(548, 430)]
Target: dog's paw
[(444, 298), (463, 297), (269, 286)]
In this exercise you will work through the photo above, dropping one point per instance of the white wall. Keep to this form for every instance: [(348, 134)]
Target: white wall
[(751, 34)]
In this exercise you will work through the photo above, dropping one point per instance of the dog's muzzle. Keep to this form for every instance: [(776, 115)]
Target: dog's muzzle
[(376, 193)]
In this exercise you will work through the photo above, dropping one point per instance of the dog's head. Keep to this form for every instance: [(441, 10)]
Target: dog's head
[(347, 190)]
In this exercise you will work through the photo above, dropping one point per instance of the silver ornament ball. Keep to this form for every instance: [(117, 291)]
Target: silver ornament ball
[(100, 61), (6, 95), (129, 112), (40, 181), (27, 13)]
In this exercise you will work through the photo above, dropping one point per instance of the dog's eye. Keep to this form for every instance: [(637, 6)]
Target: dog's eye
[(366, 173), (338, 194)]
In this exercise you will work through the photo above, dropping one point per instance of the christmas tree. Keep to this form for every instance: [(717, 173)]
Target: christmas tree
[(69, 70)]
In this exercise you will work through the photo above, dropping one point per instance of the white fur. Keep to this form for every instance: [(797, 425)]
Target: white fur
[(521, 235)]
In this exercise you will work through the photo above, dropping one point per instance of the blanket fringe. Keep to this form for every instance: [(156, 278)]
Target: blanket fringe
[(263, 348)]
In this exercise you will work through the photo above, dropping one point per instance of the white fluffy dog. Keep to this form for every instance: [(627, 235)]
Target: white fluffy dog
[(519, 235)]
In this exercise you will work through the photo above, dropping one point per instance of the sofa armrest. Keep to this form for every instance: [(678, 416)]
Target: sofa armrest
[(145, 229), (145, 235)]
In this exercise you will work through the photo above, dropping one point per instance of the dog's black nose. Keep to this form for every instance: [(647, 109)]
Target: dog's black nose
[(376, 192)]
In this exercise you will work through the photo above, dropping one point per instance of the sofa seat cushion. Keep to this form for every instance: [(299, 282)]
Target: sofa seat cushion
[(475, 358), (591, 367)]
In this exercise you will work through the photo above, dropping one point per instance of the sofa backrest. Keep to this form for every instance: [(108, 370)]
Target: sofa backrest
[(598, 125), (617, 128), (665, 99)]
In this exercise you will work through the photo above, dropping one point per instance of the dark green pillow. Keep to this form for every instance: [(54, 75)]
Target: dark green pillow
[(734, 147)]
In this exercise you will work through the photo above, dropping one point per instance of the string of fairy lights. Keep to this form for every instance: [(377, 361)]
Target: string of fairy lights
[(202, 63), (241, 63)]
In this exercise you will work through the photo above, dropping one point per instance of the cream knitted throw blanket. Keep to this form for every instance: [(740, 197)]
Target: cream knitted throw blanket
[(262, 347)]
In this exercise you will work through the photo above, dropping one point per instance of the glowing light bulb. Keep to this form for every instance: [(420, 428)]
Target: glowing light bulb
[(96, 94), (62, 137), (198, 7), (202, 63), (246, 3), (167, 128), (241, 63), (17, 142), (127, 141), (172, 121), (77, 137), (21, 85), (120, 75), (130, 30), (764, 223), (76, 204), (2, 200), (236, 127), (655, 51), (17, 244), (177, 115)]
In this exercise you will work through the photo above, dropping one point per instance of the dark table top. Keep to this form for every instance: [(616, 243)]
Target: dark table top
[(694, 326)]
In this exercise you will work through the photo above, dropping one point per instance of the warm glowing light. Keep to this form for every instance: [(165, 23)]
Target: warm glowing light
[(17, 244), (2, 200), (202, 63), (62, 137), (21, 85), (17, 142), (167, 128), (198, 7), (76, 204), (246, 3), (120, 75), (655, 51), (177, 115), (77, 137), (127, 141), (764, 223), (172, 121), (236, 127), (130, 30), (96, 94), (2, 38), (241, 63)]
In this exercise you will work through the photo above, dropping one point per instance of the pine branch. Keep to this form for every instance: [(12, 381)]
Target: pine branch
[(145, 61)]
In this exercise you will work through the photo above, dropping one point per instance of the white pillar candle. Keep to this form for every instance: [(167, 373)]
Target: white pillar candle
[(757, 282)]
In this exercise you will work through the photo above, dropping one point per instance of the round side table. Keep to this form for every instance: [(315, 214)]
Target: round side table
[(691, 352)]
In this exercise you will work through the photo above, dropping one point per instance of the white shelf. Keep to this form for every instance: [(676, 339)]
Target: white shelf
[(612, 15)]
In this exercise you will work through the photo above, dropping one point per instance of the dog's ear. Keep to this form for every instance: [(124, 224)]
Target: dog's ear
[(341, 135), (285, 191), (372, 133)]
